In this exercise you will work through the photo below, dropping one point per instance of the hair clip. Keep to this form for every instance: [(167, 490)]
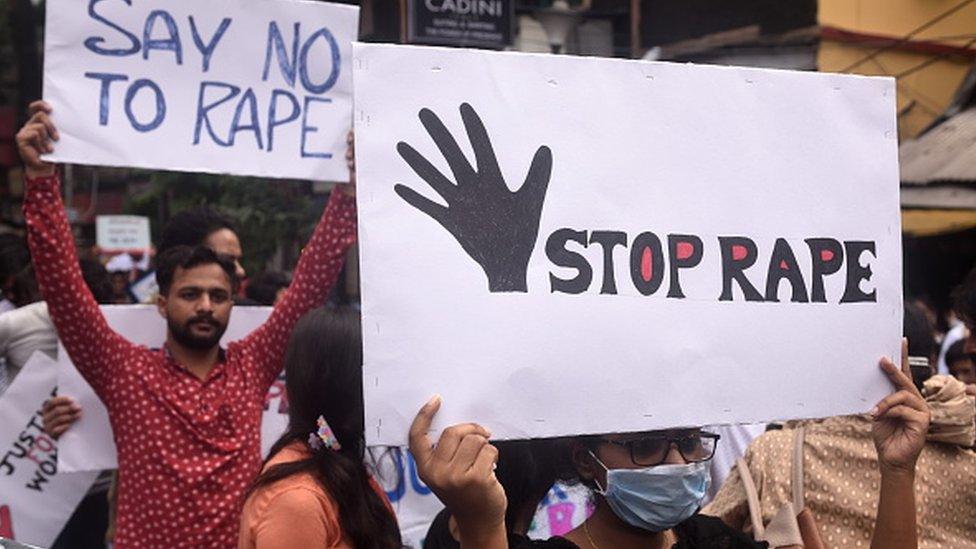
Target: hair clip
[(323, 437)]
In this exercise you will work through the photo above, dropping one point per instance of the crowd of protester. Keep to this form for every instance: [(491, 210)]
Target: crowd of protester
[(186, 419)]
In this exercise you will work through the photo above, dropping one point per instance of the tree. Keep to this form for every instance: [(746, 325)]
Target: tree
[(270, 214)]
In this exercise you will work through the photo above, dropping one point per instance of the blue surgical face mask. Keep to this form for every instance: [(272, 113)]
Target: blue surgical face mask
[(656, 498)]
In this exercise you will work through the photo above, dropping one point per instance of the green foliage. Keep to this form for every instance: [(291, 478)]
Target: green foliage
[(268, 213)]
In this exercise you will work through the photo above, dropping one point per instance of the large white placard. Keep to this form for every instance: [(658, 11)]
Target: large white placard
[(88, 445), (36, 499), (248, 87), (562, 245)]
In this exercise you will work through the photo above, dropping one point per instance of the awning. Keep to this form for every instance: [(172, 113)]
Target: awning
[(935, 222), (945, 154)]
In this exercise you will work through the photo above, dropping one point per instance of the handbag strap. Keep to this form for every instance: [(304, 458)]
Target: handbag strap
[(752, 498), (797, 480)]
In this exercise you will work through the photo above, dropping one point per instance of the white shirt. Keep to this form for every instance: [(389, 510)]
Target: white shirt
[(23, 331), (955, 334)]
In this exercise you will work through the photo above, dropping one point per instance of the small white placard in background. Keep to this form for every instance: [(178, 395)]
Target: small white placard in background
[(122, 233)]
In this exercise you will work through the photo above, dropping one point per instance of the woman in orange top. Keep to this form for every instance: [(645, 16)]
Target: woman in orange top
[(315, 490)]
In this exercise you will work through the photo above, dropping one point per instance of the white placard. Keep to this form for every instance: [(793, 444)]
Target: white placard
[(36, 499), (122, 233), (247, 87), (686, 245), (88, 445)]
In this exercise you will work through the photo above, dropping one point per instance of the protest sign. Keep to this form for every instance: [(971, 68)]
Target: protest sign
[(598, 245), (122, 233), (36, 499), (247, 87), (145, 289), (88, 445)]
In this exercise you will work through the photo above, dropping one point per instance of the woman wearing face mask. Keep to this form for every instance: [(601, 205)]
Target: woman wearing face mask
[(649, 486)]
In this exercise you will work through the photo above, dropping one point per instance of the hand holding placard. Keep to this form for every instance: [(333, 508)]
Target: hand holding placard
[(480, 199), (901, 419), (34, 139), (460, 470)]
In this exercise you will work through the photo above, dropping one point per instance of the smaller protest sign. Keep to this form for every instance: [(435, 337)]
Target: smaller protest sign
[(122, 233), (88, 445), (247, 87), (466, 23), (36, 500), (145, 289)]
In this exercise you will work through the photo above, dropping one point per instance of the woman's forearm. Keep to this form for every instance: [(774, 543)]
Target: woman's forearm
[(895, 525)]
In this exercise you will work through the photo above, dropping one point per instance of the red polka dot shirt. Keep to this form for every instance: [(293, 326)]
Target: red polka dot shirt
[(187, 448)]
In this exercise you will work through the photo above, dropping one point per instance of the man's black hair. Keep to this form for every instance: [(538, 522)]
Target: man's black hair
[(185, 257), (964, 299), (920, 332), (14, 255), (263, 289), (25, 287), (955, 353), (97, 280), (192, 227)]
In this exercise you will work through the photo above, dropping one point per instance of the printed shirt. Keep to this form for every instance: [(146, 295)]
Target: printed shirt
[(187, 448), (842, 483), (272, 512)]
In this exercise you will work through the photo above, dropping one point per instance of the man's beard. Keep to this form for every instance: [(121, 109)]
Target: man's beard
[(183, 334)]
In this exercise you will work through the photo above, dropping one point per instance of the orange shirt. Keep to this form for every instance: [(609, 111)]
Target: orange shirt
[(295, 511)]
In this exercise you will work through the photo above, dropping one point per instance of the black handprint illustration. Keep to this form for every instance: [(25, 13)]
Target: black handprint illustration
[(495, 226)]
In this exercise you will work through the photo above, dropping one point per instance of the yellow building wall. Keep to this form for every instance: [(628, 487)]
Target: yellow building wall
[(924, 94)]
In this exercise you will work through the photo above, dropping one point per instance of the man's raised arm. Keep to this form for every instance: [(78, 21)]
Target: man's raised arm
[(80, 324), (317, 272)]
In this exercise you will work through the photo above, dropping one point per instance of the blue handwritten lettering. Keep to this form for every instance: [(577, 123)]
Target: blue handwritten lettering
[(202, 110), (415, 482), (303, 62), (400, 489), (160, 105), (286, 64), (273, 120), (172, 43), (208, 49), (103, 97), (235, 126), (306, 129), (93, 43)]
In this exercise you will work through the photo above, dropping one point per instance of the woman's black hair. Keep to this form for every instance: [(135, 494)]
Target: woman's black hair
[(323, 373), (526, 469)]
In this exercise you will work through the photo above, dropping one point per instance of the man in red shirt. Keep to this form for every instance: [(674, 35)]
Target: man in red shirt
[(186, 418)]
